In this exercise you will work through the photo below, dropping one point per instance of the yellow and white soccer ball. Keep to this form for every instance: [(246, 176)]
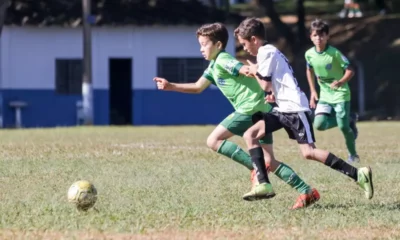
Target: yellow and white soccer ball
[(83, 194)]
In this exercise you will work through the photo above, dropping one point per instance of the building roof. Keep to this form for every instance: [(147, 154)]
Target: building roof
[(68, 13)]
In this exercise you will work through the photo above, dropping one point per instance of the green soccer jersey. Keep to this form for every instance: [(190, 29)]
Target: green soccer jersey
[(329, 66), (244, 93)]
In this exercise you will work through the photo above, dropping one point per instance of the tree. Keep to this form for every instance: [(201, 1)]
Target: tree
[(295, 40), (213, 3), (3, 7)]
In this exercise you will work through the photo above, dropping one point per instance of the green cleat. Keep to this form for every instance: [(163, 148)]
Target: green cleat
[(365, 181), (261, 191)]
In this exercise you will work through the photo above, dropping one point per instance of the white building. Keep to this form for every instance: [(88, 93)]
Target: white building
[(42, 68)]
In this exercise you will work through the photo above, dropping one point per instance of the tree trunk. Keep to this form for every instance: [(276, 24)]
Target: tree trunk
[(3, 10), (301, 22), (282, 28)]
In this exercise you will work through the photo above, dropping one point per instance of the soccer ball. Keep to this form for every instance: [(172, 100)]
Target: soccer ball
[(83, 194)]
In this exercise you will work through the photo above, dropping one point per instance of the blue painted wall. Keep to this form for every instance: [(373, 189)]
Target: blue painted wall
[(150, 107), (46, 108), (154, 107)]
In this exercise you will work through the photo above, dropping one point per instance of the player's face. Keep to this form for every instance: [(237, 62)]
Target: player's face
[(319, 40), (249, 45), (208, 49)]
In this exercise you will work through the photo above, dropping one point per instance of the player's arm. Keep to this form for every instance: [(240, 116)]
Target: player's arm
[(311, 83), (232, 66), (244, 70), (264, 69), (196, 87), (265, 83), (311, 79), (345, 64)]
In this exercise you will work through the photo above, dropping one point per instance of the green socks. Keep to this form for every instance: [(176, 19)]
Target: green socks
[(233, 151), (284, 172), (287, 174)]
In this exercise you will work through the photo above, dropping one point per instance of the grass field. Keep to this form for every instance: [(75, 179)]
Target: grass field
[(163, 183)]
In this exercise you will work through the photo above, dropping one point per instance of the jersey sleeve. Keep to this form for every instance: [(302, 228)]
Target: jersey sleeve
[(207, 74), (308, 60), (342, 59), (266, 61), (230, 65)]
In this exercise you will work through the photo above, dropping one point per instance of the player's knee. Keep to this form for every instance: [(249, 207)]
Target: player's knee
[(248, 137), (319, 125), (344, 128), (212, 143)]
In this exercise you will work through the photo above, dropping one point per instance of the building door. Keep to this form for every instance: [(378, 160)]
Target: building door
[(120, 92)]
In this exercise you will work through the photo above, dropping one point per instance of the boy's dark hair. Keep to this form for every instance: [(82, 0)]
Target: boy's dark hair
[(320, 27), (215, 31), (250, 27)]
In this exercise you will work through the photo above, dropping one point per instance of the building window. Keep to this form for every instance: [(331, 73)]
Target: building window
[(69, 76), (181, 70)]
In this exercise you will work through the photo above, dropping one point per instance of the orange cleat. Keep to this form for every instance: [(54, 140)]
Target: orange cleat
[(305, 200)]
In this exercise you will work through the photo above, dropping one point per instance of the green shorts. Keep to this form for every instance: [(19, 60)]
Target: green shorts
[(238, 124), (339, 110)]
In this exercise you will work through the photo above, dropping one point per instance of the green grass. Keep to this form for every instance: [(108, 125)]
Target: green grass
[(163, 182)]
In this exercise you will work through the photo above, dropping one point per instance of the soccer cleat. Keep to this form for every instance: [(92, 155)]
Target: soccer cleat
[(353, 159), (353, 120), (305, 200), (253, 179), (365, 181), (261, 191)]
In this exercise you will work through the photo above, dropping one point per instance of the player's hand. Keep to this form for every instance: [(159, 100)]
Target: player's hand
[(162, 83), (313, 99), (336, 84), (270, 98), (252, 68)]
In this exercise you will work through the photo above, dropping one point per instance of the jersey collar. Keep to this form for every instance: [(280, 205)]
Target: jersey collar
[(215, 59), (326, 48)]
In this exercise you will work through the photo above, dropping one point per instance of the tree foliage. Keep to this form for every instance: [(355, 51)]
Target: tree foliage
[(118, 12)]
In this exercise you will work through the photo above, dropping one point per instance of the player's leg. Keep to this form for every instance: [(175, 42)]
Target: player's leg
[(308, 195), (218, 142), (363, 176), (304, 135), (324, 116), (281, 170), (346, 7), (357, 8), (353, 124), (289, 176), (264, 189), (342, 111)]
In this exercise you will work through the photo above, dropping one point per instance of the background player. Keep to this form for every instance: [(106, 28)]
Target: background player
[(332, 70)]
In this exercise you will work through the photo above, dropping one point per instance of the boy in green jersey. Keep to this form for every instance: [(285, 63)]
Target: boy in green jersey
[(332, 70), (247, 98)]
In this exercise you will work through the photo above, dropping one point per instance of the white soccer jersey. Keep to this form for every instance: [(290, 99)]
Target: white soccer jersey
[(273, 66)]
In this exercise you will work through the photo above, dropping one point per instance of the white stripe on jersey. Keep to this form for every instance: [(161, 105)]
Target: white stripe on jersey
[(272, 63)]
